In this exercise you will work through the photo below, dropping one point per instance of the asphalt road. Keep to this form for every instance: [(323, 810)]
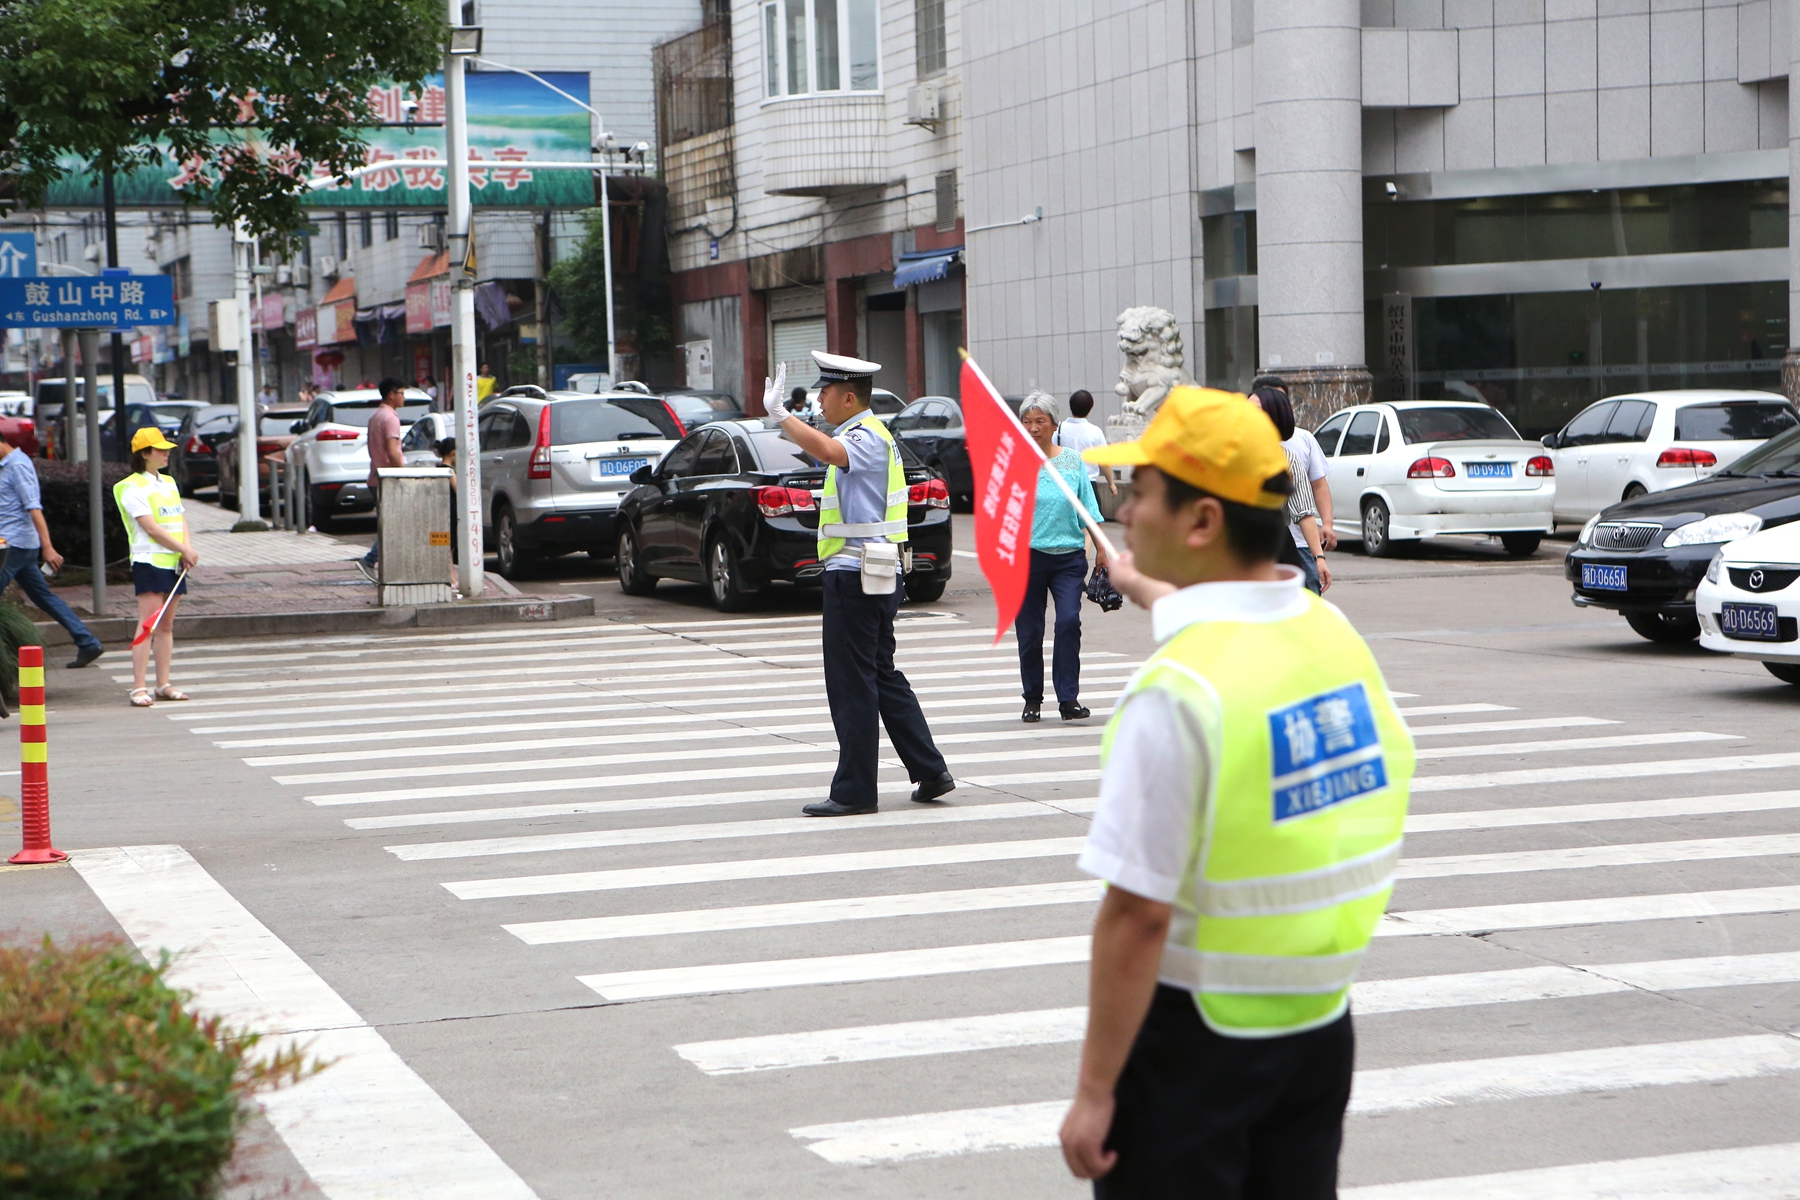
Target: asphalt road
[(559, 871)]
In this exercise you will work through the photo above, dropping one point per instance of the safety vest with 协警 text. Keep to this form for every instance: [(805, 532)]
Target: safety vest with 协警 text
[(833, 531)]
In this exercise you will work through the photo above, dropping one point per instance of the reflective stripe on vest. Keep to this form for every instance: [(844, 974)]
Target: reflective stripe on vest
[(1293, 859), (158, 492), (833, 530)]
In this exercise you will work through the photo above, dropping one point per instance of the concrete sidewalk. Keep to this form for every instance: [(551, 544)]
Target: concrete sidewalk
[(250, 584)]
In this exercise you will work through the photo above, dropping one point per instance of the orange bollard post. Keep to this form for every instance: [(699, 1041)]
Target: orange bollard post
[(34, 767)]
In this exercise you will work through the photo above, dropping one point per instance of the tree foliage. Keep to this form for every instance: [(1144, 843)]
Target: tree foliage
[(578, 284), (134, 83)]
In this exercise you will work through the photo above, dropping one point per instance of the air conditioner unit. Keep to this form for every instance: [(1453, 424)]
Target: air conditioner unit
[(300, 274), (284, 275), (328, 265), (924, 106), (431, 236)]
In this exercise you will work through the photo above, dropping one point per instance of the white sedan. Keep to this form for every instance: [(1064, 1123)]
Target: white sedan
[(1419, 468), (1749, 602), (330, 457), (1625, 446)]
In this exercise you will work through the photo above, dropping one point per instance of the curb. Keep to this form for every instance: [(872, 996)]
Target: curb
[(462, 614)]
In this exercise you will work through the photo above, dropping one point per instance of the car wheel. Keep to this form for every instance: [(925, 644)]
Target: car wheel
[(1667, 628), (724, 578), (1521, 545), (511, 559), (633, 579), (1376, 543), (924, 591), (1786, 672), (318, 508), (1633, 491)]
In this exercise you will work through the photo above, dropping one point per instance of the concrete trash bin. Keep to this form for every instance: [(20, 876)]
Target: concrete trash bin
[(414, 526)]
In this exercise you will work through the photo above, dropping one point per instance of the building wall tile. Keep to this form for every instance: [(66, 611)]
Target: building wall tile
[(1571, 127), (1624, 123)]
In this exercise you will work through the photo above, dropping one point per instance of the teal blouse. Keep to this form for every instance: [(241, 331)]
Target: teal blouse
[(1055, 527)]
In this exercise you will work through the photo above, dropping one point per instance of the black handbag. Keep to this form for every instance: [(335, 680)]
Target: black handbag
[(1101, 591)]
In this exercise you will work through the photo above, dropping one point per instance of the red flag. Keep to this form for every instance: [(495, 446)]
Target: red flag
[(1005, 463)]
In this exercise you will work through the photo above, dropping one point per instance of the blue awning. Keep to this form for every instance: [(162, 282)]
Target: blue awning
[(925, 265)]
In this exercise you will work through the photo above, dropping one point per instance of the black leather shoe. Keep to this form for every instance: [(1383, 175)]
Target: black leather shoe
[(1033, 714), (86, 655), (831, 808), (931, 789), (1073, 712)]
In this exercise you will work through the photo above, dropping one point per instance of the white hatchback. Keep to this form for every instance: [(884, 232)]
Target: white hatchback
[(1419, 468), (1625, 446), (330, 457), (1749, 602)]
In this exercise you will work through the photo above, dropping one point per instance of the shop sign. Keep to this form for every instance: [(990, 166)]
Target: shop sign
[(306, 328)]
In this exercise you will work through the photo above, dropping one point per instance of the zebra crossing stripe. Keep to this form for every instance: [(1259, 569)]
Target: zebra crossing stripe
[(1750, 1173), (1617, 741), (1616, 810), (1466, 727), (1604, 911), (1583, 857), (1391, 1089), (1624, 770)]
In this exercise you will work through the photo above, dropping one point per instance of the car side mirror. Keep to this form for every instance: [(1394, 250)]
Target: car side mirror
[(297, 427), (643, 475), (1551, 440)]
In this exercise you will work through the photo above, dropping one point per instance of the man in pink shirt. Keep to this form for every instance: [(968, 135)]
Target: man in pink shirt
[(384, 451)]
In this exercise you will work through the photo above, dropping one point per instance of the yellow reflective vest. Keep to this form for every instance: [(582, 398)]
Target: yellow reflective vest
[(166, 509), (1293, 853), (833, 530)]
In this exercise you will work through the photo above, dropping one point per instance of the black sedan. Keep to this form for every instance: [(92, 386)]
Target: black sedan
[(194, 462), (735, 506), (1644, 557), (932, 428)]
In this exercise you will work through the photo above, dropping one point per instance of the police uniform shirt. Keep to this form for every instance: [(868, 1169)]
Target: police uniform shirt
[(1160, 769), (862, 487)]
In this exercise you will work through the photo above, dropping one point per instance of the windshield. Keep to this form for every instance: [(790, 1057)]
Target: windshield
[(694, 408), (575, 421), (651, 409), (1454, 425), (274, 424), (358, 414), (168, 412), (1777, 456), (1734, 421)]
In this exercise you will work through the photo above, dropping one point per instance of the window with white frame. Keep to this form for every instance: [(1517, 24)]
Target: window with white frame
[(812, 46)]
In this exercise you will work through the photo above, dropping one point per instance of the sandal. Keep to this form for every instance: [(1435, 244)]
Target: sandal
[(168, 692), (141, 698)]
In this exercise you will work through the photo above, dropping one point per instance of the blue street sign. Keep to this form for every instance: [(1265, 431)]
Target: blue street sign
[(18, 255), (88, 302)]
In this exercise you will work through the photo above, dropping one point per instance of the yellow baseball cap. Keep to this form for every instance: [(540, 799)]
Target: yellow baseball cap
[(1220, 442), (150, 438)]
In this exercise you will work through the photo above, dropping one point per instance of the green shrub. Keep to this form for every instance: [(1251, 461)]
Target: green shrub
[(16, 629), (110, 1089), (64, 487)]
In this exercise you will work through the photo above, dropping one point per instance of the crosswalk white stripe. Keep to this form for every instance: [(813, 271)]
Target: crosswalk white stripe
[(660, 982), (762, 868), (1605, 910), (804, 912), (1419, 731), (1750, 1173), (768, 827), (1389, 1089), (714, 732), (1585, 857), (1615, 810), (520, 633), (1623, 770), (1054, 1026), (1445, 710), (1615, 741)]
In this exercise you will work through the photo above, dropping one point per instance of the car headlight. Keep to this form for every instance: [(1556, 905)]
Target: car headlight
[(1725, 527), (1587, 531), (1713, 568)]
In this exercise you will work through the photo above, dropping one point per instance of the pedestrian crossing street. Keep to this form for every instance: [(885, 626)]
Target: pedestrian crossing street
[(1588, 910)]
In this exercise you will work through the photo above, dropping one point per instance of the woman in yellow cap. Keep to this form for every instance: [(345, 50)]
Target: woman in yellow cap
[(150, 505)]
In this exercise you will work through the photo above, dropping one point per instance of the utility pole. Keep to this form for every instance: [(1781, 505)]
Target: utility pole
[(90, 362), (249, 483), (462, 309), (120, 433), (612, 346)]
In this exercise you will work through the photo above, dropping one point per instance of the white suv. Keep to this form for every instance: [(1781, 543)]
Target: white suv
[(330, 457)]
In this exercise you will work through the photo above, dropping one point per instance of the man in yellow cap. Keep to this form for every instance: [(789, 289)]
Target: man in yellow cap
[(1254, 788)]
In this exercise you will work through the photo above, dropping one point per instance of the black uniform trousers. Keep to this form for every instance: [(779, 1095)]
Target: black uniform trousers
[(1201, 1116), (866, 691)]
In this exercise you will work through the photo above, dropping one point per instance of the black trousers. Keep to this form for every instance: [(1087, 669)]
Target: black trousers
[(1202, 1116), (1063, 578), (866, 691)]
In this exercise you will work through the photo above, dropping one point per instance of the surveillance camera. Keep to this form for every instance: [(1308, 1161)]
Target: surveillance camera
[(1594, 283), (409, 106), (642, 148)]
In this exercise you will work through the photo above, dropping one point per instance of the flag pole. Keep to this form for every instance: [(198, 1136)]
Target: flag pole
[(1075, 503)]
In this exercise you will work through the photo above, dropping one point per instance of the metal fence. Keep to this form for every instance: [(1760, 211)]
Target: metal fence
[(693, 84)]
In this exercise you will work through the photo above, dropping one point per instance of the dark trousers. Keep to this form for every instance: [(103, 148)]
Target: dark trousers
[(1202, 1116), (22, 564), (866, 691), (1064, 578)]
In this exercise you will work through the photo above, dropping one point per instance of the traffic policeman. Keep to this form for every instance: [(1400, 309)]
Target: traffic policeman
[(1251, 803), (862, 539)]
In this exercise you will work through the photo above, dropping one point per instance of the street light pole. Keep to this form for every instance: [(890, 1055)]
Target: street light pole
[(462, 310), (612, 348), (249, 484)]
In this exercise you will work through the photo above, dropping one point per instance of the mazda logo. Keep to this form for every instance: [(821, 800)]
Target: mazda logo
[(1756, 581)]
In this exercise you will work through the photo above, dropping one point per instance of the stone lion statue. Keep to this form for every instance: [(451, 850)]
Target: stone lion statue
[(1151, 343)]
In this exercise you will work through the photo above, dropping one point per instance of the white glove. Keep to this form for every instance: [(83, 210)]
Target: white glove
[(774, 395)]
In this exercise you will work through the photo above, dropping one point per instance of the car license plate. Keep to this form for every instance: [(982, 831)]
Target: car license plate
[(1486, 470), (1750, 621), (1602, 578), (621, 466)]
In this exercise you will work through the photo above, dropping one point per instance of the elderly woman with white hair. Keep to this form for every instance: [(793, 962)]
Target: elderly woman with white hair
[(1058, 568)]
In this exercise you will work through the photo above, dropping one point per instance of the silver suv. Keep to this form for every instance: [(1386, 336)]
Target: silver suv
[(553, 470)]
